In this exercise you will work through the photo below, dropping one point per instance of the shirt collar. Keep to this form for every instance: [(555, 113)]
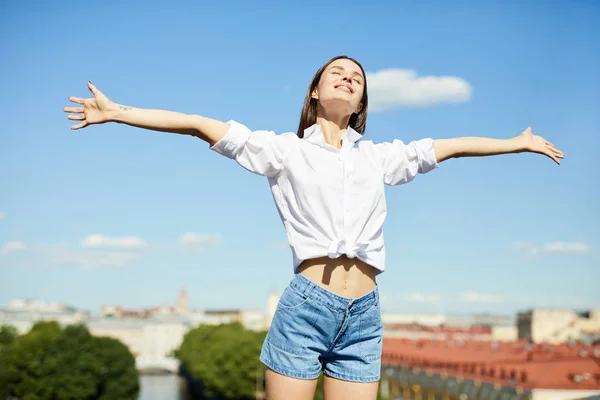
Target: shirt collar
[(314, 135)]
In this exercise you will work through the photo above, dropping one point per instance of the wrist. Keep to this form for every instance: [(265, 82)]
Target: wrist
[(117, 112), (519, 144)]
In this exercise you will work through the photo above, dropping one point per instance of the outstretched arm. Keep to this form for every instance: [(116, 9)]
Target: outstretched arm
[(100, 109), (261, 152), (479, 146)]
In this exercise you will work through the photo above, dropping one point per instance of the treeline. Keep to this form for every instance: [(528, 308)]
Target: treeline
[(55, 363), (223, 360)]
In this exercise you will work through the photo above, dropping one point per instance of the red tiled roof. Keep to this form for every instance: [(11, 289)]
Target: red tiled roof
[(473, 330), (537, 366)]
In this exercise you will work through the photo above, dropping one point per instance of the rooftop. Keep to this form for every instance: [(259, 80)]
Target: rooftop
[(530, 366)]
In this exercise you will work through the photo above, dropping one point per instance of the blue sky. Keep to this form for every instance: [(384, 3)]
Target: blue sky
[(496, 234)]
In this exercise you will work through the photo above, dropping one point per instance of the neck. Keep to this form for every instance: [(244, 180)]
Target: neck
[(333, 128)]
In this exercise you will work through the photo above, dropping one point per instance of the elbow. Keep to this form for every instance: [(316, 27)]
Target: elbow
[(445, 149), (441, 156), (209, 130)]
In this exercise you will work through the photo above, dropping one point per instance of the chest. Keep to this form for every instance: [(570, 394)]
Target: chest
[(326, 174)]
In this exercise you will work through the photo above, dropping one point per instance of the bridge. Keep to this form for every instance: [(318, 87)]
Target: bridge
[(153, 365)]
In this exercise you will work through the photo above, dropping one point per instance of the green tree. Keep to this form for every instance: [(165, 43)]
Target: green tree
[(51, 363), (120, 379), (22, 362), (8, 334), (224, 358)]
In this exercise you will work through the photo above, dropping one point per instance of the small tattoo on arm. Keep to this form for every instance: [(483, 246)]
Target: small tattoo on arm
[(125, 108)]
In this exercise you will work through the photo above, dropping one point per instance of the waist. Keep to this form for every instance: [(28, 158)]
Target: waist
[(351, 278)]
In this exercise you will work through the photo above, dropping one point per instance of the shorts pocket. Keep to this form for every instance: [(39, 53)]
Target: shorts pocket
[(291, 298), (371, 334)]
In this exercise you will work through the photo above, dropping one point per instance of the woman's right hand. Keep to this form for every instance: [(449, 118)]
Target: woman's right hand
[(100, 109), (96, 110)]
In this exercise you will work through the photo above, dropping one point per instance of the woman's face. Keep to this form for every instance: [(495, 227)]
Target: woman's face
[(341, 87)]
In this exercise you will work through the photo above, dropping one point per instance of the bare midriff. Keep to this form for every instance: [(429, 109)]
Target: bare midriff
[(343, 276)]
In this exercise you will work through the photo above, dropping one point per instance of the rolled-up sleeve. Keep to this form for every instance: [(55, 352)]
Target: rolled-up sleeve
[(402, 162), (260, 152)]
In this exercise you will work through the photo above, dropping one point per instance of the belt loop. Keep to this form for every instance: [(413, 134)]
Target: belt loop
[(309, 287)]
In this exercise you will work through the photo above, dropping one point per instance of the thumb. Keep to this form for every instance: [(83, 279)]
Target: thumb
[(93, 89)]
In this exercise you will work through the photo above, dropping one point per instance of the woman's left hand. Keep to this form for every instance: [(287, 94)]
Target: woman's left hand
[(537, 144)]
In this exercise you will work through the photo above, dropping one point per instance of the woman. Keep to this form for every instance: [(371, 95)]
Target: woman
[(328, 186)]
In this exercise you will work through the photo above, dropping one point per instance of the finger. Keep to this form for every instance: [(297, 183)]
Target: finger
[(552, 156), (74, 109), (77, 117), (77, 100), (79, 126), (548, 143), (92, 88), (556, 151)]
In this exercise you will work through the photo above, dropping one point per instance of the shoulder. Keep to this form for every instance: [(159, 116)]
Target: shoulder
[(371, 146), (287, 138), (238, 125), (366, 144), (283, 136)]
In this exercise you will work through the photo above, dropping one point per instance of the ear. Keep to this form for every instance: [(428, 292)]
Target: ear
[(315, 94)]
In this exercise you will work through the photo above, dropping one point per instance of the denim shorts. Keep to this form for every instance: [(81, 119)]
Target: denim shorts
[(315, 330)]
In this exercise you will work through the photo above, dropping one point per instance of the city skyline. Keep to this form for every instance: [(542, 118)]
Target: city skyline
[(117, 215)]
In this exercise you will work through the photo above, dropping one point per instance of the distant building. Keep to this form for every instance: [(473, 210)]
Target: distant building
[(557, 326), (442, 326), (146, 339), (272, 302), (24, 313), (250, 318), (222, 316), (183, 303), (181, 308), (128, 331), (253, 319)]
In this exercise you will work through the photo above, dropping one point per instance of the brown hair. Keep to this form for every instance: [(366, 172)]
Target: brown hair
[(358, 122)]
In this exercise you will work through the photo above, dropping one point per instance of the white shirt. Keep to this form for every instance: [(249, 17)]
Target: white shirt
[(331, 201)]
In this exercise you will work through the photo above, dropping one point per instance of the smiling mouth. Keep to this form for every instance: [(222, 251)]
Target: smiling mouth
[(344, 89)]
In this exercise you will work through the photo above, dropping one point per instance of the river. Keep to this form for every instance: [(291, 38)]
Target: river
[(163, 387)]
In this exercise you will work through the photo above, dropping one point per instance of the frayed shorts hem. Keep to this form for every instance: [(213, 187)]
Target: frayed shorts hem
[(360, 379), (287, 372)]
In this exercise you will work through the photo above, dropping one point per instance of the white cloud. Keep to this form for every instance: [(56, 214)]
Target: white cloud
[(1, 215), (394, 88), (89, 259), (477, 297), (9, 247), (97, 241), (200, 240), (417, 297), (553, 247), (565, 247)]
